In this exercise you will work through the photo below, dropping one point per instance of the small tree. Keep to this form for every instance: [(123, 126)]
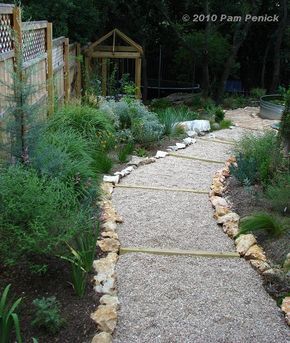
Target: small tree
[(20, 115)]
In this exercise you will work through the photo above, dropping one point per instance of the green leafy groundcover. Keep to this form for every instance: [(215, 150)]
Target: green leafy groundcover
[(37, 213)]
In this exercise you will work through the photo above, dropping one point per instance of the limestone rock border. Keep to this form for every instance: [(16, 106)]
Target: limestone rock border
[(246, 245)]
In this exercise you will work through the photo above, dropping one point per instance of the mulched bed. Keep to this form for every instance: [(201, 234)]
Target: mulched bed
[(245, 203), (55, 282)]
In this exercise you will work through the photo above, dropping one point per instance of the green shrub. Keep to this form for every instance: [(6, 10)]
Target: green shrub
[(246, 170), (47, 314), (65, 155), (263, 153), (219, 115), (278, 192), (235, 101), (37, 214), (62, 154), (9, 320), (133, 115), (274, 226), (85, 120), (199, 102), (257, 92), (160, 104), (214, 113), (225, 124), (141, 152)]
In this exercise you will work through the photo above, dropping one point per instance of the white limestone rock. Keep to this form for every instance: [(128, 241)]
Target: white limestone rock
[(113, 179), (191, 134), (188, 141), (180, 146), (161, 154)]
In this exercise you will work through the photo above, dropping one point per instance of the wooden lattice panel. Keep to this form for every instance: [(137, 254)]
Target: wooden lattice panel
[(57, 56), (33, 44), (5, 33)]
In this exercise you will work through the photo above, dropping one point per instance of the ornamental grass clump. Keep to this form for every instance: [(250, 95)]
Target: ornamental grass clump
[(272, 225), (83, 119)]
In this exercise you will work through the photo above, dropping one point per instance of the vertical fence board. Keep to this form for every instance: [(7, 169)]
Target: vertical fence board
[(66, 73), (50, 87)]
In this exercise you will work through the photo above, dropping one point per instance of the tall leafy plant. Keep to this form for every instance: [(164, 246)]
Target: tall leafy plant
[(9, 320)]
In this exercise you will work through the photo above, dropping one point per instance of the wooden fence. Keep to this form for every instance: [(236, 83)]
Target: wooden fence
[(52, 66)]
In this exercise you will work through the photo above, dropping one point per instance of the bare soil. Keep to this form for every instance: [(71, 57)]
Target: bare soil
[(246, 202), (78, 328)]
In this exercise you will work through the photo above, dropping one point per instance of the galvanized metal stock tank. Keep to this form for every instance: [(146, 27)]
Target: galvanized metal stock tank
[(269, 110)]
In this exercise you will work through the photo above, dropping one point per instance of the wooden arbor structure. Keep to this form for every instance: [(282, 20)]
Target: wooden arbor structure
[(121, 47)]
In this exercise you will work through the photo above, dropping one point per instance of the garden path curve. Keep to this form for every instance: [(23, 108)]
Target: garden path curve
[(166, 299)]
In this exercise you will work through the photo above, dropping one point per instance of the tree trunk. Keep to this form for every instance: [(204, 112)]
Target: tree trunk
[(205, 72), (277, 46), (145, 76), (264, 63), (240, 35)]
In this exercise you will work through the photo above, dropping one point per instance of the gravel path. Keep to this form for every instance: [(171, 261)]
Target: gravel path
[(174, 299), (196, 300), (172, 220)]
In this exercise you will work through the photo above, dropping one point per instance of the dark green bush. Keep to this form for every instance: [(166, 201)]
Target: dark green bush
[(257, 92), (278, 192), (263, 153), (225, 123), (37, 214), (158, 104), (219, 114), (235, 101), (47, 314)]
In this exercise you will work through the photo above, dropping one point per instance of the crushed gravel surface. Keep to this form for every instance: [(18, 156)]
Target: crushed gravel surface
[(177, 299), (184, 299), (174, 172), (168, 220)]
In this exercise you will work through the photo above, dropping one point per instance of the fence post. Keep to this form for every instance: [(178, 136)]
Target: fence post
[(66, 71), (79, 74), (17, 28), (138, 77), (104, 76), (50, 86)]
